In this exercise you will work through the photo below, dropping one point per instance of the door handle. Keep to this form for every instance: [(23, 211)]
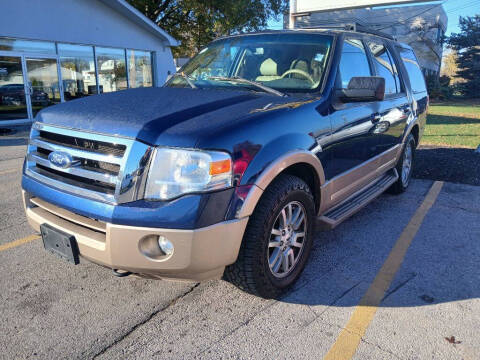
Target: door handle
[(376, 118)]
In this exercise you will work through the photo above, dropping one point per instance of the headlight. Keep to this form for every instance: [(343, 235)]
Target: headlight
[(174, 172)]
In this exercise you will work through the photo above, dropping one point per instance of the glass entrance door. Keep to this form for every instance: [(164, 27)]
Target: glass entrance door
[(13, 104), (42, 83)]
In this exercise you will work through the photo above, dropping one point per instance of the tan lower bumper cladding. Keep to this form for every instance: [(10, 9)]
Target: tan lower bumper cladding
[(199, 254)]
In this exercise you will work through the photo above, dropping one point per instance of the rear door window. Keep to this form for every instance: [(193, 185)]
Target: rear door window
[(414, 71), (385, 67), (354, 61)]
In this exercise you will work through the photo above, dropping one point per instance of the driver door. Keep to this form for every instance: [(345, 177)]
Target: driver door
[(355, 144)]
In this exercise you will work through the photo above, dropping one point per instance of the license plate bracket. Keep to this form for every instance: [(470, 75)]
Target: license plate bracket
[(60, 243)]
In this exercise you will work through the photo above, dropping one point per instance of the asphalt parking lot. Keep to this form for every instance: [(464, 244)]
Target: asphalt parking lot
[(429, 310)]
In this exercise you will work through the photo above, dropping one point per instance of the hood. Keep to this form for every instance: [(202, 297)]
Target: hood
[(156, 115)]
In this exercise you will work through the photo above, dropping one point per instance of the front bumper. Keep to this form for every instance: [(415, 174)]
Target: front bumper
[(199, 254)]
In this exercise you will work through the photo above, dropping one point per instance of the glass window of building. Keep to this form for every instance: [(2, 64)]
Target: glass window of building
[(12, 90), (41, 47), (112, 74), (139, 68), (42, 77), (78, 70)]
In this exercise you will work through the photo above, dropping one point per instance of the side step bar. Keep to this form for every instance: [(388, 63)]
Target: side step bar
[(357, 201)]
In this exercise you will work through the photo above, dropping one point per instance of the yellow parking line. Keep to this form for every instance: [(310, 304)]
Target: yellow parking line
[(347, 342), (9, 171), (18, 242)]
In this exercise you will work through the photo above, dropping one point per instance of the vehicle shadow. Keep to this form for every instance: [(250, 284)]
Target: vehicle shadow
[(440, 265)]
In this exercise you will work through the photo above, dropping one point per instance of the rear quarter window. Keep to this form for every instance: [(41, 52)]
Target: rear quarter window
[(385, 67), (414, 71)]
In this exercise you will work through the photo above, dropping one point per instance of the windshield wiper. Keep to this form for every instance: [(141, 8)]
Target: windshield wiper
[(249, 82), (186, 78)]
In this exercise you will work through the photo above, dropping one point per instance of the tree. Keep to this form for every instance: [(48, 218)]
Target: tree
[(467, 45), (195, 23), (450, 66)]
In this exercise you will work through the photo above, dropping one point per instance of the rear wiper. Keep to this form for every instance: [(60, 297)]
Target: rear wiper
[(249, 82), (186, 78)]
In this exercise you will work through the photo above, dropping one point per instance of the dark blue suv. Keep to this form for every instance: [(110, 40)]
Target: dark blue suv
[(226, 170)]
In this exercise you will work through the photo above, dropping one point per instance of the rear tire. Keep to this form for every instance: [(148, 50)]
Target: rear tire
[(404, 167), (277, 242)]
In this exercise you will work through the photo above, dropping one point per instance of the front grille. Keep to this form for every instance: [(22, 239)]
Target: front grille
[(83, 144), (104, 168)]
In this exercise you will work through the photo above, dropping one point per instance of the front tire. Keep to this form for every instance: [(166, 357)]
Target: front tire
[(277, 241), (404, 167)]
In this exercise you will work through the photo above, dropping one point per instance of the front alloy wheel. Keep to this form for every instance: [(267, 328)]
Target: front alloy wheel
[(277, 240), (287, 239)]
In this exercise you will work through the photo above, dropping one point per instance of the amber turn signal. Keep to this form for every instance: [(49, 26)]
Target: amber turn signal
[(220, 167)]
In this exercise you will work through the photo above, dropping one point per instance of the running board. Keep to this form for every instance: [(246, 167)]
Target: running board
[(357, 201)]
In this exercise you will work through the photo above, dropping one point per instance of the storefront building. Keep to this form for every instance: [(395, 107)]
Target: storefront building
[(50, 53)]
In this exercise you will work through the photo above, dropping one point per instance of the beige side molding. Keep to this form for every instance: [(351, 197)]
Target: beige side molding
[(273, 170)]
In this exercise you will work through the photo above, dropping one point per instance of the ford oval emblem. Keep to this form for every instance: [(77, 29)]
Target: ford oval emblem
[(60, 159)]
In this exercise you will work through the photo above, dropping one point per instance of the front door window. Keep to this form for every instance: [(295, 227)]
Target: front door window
[(42, 83), (12, 90)]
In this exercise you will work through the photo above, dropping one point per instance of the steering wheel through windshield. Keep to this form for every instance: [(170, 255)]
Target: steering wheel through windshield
[(299, 72)]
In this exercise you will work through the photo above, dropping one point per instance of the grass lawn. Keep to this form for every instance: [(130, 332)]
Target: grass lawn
[(453, 123)]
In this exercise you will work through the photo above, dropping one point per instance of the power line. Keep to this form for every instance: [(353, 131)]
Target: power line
[(463, 6), (411, 17), (404, 22)]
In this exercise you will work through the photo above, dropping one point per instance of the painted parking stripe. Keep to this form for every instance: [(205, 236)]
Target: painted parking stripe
[(18, 242), (347, 342)]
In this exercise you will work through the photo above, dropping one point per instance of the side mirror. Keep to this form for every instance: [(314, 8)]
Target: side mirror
[(363, 89)]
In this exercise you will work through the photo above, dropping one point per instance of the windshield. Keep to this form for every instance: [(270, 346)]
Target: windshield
[(285, 62)]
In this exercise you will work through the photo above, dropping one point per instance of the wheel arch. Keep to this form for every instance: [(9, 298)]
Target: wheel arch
[(415, 131), (300, 163)]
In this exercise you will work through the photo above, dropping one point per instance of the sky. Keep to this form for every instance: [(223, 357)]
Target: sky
[(453, 8)]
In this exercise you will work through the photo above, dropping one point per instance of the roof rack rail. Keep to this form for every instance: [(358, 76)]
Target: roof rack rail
[(355, 27)]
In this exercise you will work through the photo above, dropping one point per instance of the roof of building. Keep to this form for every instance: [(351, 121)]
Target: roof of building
[(141, 20)]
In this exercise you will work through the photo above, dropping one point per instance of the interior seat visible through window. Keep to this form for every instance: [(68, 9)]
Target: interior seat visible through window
[(268, 71)]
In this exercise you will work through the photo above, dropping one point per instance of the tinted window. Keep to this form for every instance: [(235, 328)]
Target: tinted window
[(353, 62), (385, 67), (413, 69)]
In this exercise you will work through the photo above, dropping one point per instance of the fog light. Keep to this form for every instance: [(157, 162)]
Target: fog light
[(165, 245), (156, 247)]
